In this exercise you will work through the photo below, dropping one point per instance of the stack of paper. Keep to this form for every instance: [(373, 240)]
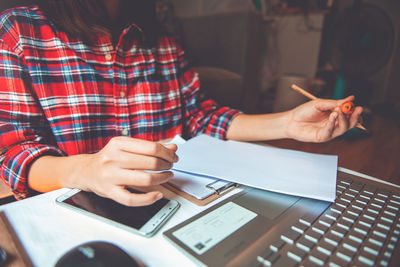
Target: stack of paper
[(279, 170)]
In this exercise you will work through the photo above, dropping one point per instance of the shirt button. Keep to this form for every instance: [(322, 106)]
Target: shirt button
[(124, 132), (108, 56), (122, 94)]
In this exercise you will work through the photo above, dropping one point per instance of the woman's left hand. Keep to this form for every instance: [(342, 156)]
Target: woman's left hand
[(321, 120)]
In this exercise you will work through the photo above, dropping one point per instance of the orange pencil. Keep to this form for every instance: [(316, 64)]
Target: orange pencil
[(312, 97)]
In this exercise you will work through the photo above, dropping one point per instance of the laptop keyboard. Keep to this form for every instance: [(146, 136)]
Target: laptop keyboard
[(361, 228)]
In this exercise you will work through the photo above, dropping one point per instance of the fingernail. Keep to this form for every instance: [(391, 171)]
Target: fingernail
[(159, 196), (176, 158)]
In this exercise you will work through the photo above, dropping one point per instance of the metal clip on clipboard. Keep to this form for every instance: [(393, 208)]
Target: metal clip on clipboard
[(220, 186)]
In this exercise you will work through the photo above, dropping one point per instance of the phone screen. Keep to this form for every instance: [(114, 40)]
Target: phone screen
[(134, 217)]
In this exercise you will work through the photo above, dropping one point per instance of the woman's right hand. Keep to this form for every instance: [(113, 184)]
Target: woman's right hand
[(123, 162)]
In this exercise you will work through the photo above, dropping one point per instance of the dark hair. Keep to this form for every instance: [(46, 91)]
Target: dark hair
[(85, 19)]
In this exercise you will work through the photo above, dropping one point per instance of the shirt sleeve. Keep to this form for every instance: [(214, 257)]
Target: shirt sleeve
[(202, 115), (24, 131)]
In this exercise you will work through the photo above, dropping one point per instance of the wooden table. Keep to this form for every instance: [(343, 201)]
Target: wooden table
[(376, 154)]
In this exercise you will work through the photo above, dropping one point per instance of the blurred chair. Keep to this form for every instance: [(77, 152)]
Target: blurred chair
[(226, 50)]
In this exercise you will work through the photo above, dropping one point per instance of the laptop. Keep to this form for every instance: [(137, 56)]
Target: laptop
[(262, 228)]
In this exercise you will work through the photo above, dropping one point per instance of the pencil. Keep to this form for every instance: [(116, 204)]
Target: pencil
[(312, 97)]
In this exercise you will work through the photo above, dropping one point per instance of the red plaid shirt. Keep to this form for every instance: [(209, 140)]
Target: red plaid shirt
[(61, 97)]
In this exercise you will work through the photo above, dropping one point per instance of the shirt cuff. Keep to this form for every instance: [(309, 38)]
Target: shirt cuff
[(16, 163), (222, 118)]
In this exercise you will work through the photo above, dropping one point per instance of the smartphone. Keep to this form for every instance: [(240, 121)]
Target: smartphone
[(145, 221)]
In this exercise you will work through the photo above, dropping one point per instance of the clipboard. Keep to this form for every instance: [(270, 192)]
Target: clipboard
[(199, 189)]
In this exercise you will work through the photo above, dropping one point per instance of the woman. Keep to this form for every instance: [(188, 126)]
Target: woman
[(89, 87)]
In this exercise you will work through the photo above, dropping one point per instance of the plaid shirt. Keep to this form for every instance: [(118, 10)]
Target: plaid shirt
[(61, 97)]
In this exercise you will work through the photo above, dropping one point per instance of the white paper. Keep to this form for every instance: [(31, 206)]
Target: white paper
[(193, 184), (278, 170), (47, 231)]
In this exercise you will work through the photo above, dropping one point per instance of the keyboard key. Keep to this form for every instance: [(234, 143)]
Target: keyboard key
[(270, 259), (353, 211), (308, 263), (320, 228), (392, 207), (351, 244), (357, 237), (313, 236), (362, 229), (300, 227), (309, 218), (326, 221), (345, 254), (370, 216), (366, 224), (382, 232), (369, 189), (349, 217), (318, 257), (290, 236), (378, 199), (325, 247), (266, 253), (372, 249), (344, 199), (395, 202), (336, 261), (387, 254), (296, 254), (332, 215), (333, 239), (383, 193), (350, 195), (361, 201), (379, 241), (344, 224), (366, 258), (384, 263), (340, 232), (366, 197), (285, 261), (356, 187), (346, 181), (386, 219), (357, 207), (305, 244), (389, 213), (375, 210), (277, 245), (336, 208), (340, 187)]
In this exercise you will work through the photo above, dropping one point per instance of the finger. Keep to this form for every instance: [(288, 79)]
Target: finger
[(173, 147), (327, 132), (343, 123), (132, 161), (349, 98), (326, 104), (355, 117), (142, 178), (123, 196), (330, 104), (143, 147)]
